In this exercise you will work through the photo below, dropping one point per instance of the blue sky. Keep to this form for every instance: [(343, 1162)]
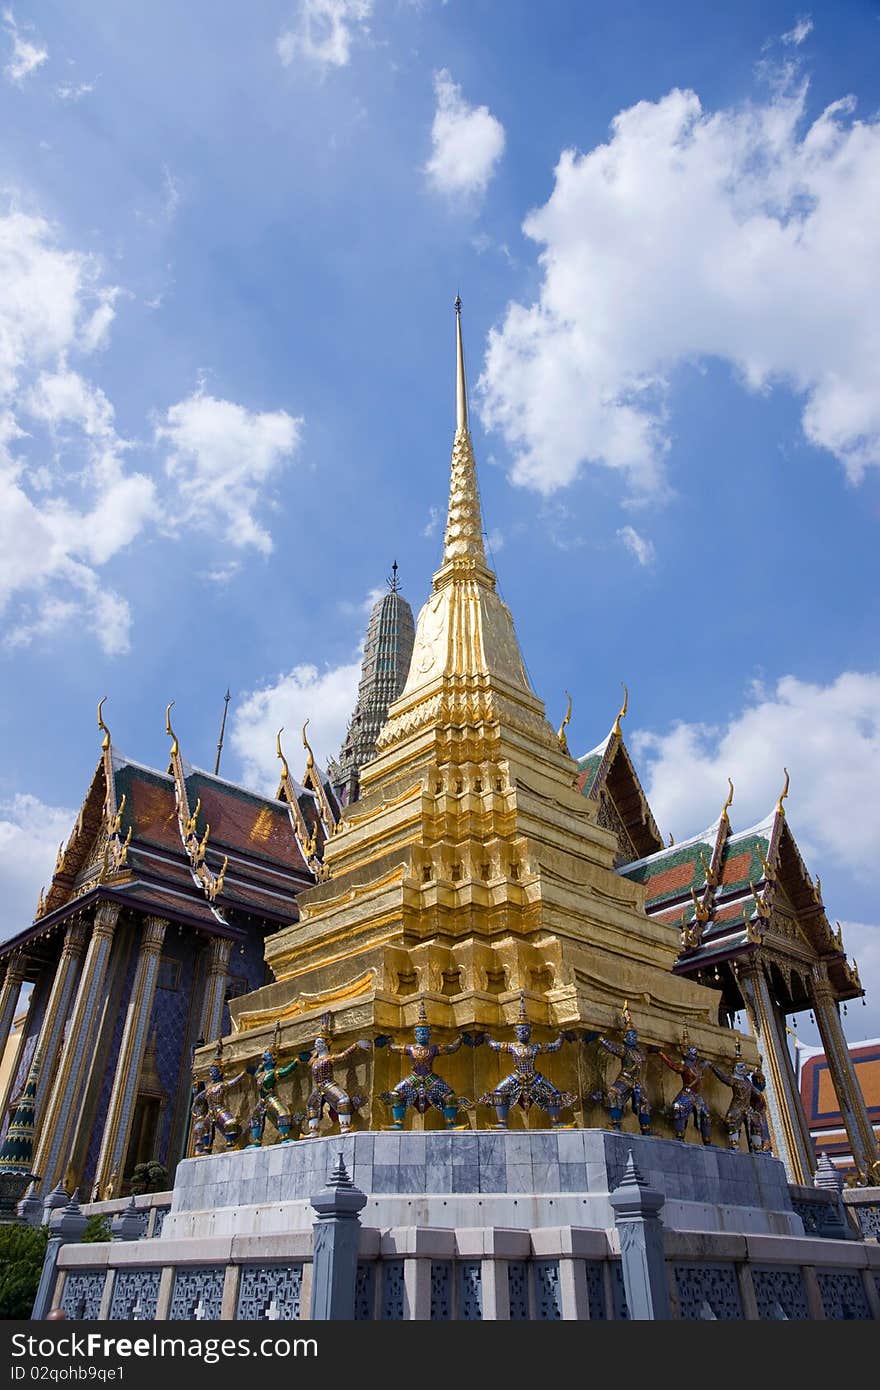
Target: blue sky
[(229, 244)]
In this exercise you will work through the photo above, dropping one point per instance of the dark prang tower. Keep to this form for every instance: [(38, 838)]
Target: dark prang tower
[(387, 652)]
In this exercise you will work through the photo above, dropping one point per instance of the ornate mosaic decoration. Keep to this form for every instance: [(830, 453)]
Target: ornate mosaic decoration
[(518, 1290), (365, 1291), (392, 1291), (198, 1294), (618, 1293), (269, 1290), (441, 1290), (135, 1295), (595, 1289), (868, 1216), (470, 1291), (775, 1288), (714, 1285), (548, 1295), (843, 1294), (82, 1294), (159, 1221)]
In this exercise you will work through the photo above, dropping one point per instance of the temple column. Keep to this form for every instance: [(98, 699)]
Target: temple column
[(843, 1076), (120, 1110), (215, 988), (794, 1145), (9, 993), (56, 1140), (58, 1006)]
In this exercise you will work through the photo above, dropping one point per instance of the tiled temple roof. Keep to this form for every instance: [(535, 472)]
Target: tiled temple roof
[(252, 849)]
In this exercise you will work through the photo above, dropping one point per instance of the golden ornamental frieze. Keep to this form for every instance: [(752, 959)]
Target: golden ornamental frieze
[(350, 894), (307, 1003), (595, 987), (388, 804)]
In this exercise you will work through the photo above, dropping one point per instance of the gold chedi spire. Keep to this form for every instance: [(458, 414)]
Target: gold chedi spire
[(464, 522), (464, 632), (470, 874)]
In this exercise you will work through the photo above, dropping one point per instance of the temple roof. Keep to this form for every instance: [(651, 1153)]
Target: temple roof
[(718, 890), (128, 843), (608, 768)]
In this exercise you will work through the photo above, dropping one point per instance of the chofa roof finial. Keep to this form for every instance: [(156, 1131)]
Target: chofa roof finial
[(621, 714), (285, 770), (780, 809), (101, 725), (310, 760), (560, 732), (175, 746)]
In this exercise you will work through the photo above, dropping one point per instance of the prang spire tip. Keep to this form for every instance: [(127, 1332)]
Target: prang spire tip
[(461, 415)]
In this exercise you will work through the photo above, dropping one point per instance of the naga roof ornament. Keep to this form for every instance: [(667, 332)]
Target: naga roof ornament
[(780, 809), (621, 713), (560, 732), (187, 820)]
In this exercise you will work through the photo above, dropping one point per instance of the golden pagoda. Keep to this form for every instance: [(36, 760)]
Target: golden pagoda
[(472, 876)]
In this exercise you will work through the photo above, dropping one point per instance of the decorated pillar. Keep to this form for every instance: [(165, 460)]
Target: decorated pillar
[(790, 1131), (58, 1006), (117, 1127), (215, 988), (843, 1077), (63, 1107), (9, 992)]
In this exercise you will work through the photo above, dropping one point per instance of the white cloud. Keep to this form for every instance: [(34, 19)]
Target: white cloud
[(325, 698), (67, 508), (74, 91), (26, 57), (467, 141), (30, 833), (221, 457), (172, 193), (51, 300), (744, 235), (802, 28), (434, 518), (324, 32), (364, 606), (828, 736), (861, 942), (637, 545)]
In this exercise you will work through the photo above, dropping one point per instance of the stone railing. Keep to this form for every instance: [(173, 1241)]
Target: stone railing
[(489, 1274), (863, 1203), (155, 1204)]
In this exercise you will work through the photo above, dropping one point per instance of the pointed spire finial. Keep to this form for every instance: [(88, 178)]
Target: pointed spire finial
[(464, 521), (393, 580), (226, 698), (461, 413)]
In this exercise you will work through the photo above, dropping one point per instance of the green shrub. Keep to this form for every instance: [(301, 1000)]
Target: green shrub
[(148, 1177), (21, 1261), (97, 1229)]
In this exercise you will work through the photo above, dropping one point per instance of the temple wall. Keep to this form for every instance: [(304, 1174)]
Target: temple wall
[(491, 1227)]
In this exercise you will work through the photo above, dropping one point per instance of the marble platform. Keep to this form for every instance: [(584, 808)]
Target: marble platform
[(519, 1180)]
